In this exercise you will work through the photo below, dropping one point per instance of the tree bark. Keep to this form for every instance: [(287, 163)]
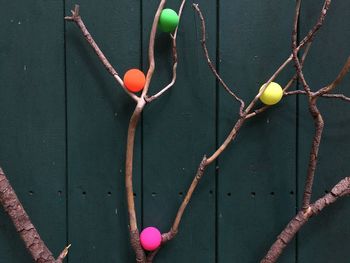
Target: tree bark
[(20, 219)]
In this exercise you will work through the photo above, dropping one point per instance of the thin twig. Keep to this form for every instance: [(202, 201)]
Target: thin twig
[(63, 254), (152, 64), (311, 34), (336, 96), (307, 39), (272, 78), (329, 96), (294, 92), (295, 50), (289, 84), (337, 80), (175, 227), (175, 60), (79, 22), (210, 63)]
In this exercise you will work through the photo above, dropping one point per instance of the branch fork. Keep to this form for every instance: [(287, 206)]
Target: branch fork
[(245, 113)]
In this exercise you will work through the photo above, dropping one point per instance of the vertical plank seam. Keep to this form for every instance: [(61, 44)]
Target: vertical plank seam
[(297, 152), (217, 62), (66, 125), (141, 122)]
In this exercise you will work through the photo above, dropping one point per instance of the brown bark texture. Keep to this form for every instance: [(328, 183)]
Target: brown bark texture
[(20, 219), (339, 190)]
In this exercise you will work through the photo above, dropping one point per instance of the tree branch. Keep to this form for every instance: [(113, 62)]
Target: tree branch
[(330, 96), (210, 64), (175, 227), (315, 113), (311, 34), (152, 64), (339, 190), (20, 219), (306, 40), (63, 254), (336, 96), (79, 22), (295, 50), (319, 125), (175, 60), (244, 116), (134, 232), (337, 80), (289, 84)]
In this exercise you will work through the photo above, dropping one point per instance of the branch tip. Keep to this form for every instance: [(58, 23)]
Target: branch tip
[(75, 14), (63, 254)]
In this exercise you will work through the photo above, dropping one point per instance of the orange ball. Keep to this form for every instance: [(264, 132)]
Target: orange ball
[(134, 80)]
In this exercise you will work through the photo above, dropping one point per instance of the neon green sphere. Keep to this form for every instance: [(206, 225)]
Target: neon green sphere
[(168, 20), (272, 94)]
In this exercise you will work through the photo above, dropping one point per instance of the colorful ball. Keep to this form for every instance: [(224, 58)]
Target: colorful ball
[(134, 80), (168, 20), (272, 94), (150, 238)]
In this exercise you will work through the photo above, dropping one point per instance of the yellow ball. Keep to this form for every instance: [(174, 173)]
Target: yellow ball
[(272, 94)]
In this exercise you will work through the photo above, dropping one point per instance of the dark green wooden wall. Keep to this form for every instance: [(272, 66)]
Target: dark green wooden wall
[(63, 128)]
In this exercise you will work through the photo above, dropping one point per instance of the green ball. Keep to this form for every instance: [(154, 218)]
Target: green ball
[(168, 20)]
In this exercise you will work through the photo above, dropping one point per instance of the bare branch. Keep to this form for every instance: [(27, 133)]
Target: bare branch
[(339, 190), (295, 50), (79, 22), (307, 40), (319, 125), (272, 78), (308, 210), (315, 113), (310, 35), (152, 64), (295, 92), (20, 219), (175, 60), (289, 84), (244, 116), (134, 232), (330, 96), (336, 96), (63, 254), (211, 66), (175, 227), (337, 80)]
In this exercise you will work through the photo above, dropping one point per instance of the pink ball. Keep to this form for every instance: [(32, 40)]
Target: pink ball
[(150, 238)]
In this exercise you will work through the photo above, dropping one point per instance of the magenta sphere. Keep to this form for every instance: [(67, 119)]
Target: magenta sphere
[(150, 238)]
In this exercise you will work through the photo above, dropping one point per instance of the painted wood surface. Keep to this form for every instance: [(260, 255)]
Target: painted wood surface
[(64, 125)]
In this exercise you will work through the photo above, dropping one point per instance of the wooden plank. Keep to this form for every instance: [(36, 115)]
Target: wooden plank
[(32, 132), (325, 238), (178, 130), (98, 115), (256, 183)]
